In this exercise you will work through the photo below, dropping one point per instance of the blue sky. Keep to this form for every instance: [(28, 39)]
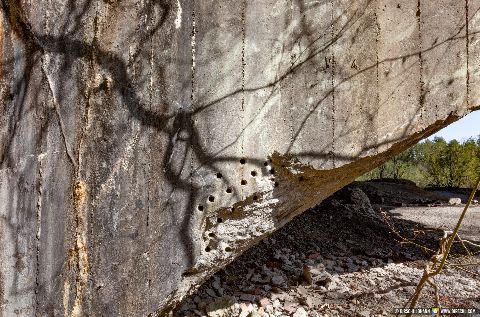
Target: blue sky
[(468, 126)]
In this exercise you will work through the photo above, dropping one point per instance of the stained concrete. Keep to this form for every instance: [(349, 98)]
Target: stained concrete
[(144, 145)]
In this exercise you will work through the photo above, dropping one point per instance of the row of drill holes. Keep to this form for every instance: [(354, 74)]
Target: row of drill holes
[(227, 249), (243, 182), (243, 161), (229, 191), (211, 234)]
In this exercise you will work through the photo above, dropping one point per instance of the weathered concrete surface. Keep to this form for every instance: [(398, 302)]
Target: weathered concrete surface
[(145, 144)]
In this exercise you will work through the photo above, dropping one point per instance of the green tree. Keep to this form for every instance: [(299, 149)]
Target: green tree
[(469, 162), (434, 162)]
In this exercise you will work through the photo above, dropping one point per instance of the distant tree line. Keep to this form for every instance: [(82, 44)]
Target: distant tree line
[(434, 163)]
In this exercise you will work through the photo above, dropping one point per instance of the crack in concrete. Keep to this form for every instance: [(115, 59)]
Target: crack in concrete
[(39, 227), (57, 112), (467, 43)]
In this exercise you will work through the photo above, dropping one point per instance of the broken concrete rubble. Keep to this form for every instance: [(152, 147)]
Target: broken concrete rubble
[(147, 144), (455, 201)]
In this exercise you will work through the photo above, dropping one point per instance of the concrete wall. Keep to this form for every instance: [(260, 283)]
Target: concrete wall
[(145, 144)]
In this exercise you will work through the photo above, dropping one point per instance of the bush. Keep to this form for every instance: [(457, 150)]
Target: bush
[(434, 163)]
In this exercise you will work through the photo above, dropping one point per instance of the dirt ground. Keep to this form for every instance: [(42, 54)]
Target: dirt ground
[(444, 217), (360, 253)]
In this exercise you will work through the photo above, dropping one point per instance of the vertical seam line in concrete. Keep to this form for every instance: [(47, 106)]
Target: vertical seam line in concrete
[(147, 167), (290, 109), (377, 67), (149, 187), (193, 44), (244, 7), (38, 233), (242, 110), (332, 65), (192, 47), (150, 106), (467, 43), (90, 214), (39, 192), (420, 40)]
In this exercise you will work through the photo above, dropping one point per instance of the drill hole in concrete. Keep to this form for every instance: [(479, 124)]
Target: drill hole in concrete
[(276, 184), (272, 171), (211, 199), (242, 161), (208, 249), (219, 175), (211, 234), (253, 173), (255, 197), (200, 207), (243, 182), (219, 220), (228, 249), (229, 190)]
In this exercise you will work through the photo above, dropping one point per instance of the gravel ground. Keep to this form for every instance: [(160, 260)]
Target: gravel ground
[(346, 257)]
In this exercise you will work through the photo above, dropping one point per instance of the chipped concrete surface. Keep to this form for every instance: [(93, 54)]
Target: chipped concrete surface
[(173, 113)]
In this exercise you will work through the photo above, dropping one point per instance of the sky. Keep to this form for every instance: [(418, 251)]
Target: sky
[(468, 126)]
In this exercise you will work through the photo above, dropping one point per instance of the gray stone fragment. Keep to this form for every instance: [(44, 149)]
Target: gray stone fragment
[(222, 307), (300, 312), (455, 201), (278, 280)]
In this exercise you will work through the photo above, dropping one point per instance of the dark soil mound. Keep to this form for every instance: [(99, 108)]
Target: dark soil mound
[(399, 193)]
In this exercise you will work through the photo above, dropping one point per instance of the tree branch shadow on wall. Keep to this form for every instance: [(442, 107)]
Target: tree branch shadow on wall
[(36, 45)]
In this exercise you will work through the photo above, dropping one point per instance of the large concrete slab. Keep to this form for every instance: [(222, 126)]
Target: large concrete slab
[(146, 144)]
